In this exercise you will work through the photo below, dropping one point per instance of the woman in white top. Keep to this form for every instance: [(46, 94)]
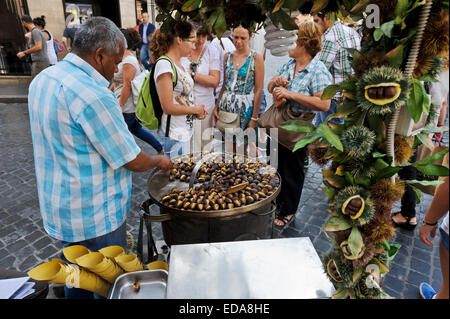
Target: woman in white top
[(204, 65), (40, 24), (128, 69), (177, 103)]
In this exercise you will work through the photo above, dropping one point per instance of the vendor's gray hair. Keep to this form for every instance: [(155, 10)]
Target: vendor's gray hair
[(98, 32)]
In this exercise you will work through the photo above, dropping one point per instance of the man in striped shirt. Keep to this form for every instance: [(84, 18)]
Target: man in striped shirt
[(83, 150), (336, 40)]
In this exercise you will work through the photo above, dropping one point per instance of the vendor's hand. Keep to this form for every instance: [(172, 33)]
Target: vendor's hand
[(424, 231), (21, 54), (278, 102), (164, 163), (215, 116)]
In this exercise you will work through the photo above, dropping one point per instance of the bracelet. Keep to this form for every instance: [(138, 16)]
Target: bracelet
[(432, 225), (254, 119)]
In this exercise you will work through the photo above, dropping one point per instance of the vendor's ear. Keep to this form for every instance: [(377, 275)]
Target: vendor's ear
[(99, 55)]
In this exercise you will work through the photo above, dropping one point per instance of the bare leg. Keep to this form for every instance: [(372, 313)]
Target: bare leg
[(443, 254)]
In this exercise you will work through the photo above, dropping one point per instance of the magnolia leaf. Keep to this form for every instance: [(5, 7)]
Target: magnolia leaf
[(191, 5), (401, 7), (380, 164), (330, 91), (305, 141), (340, 293), (387, 172), (349, 178), (426, 102), (377, 34), (336, 181), (337, 224), (387, 28), (355, 241), (378, 155), (424, 183), (418, 193), (393, 250), (416, 100), (427, 78), (359, 7), (432, 159), (220, 26), (298, 126), (278, 6), (318, 5), (330, 136), (357, 274), (329, 192), (363, 181), (426, 140), (395, 56), (432, 169)]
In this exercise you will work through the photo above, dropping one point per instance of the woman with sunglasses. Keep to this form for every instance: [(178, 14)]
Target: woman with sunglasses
[(204, 66), (177, 102)]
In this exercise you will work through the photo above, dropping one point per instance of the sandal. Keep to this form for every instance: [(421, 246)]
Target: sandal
[(406, 224), (286, 221)]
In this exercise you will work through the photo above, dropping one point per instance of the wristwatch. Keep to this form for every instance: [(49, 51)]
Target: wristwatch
[(193, 74)]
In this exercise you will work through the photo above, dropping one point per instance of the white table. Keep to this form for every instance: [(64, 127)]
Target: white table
[(286, 268)]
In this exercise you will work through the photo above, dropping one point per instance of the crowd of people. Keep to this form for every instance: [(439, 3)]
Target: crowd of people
[(83, 115)]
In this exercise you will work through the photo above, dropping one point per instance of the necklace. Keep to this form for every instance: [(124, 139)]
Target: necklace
[(194, 64)]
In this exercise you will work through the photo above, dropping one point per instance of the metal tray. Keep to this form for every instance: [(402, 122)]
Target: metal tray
[(153, 285)]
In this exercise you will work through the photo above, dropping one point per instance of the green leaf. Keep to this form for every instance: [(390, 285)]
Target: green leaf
[(387, 28), (337, 224), (190, 5), (426, 102), (330, 192), (330, 136), (380, 164), (340, 293), (278, 6), (318, 5), (425, 140), (432, 169), (431, 159), (349, 178), (393, 250), (304, 141), (424, 183), (359, 7), (363, 181), (355, 241), (395, 56), (416, 100), (377, 34), (387, 172), (298, 126), (378, 155), (401, 7), (330, 91), (427, 78), (220, 26), (418, 193)]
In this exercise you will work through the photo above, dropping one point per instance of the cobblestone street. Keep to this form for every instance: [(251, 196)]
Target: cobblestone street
[(24, 243)]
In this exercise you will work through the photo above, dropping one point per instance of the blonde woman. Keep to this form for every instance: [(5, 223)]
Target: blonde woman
[(300, 83)]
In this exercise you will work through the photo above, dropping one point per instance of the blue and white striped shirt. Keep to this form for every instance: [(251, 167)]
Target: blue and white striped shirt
[(81, 143)]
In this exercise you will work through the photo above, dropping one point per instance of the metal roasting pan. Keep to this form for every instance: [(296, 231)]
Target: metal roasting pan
[(158, 184), (152, 285)]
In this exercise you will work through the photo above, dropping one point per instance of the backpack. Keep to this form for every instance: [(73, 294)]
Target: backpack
[(57, 46), (148, 108)]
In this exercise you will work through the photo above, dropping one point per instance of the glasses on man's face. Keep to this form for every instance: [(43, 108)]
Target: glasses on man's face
[(191, 39)]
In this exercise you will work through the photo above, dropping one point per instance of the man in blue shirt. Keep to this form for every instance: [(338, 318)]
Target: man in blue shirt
[(146, 29), (83, 150)]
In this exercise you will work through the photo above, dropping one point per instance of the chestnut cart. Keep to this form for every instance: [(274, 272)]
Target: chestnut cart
[(252, 221)]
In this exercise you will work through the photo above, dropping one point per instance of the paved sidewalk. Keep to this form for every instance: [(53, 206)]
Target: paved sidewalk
[(24, 243), (14, 93)]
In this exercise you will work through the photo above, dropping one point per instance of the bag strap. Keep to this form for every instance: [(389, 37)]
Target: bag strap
[(175, 80), (248, 70)]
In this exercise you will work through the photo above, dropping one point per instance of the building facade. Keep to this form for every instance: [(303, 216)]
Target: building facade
[(124, 13)]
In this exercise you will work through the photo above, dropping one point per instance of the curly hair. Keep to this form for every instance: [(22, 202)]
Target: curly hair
[(310, 36), (132, 36), (161, 41)]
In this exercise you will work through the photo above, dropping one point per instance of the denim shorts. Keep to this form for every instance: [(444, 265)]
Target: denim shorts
[(171, 147), (444, 237)]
